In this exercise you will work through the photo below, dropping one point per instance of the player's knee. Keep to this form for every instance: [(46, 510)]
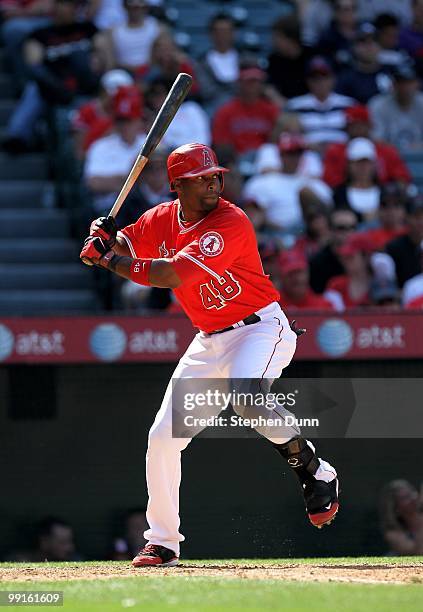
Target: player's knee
[(161, 437), (159, 434)]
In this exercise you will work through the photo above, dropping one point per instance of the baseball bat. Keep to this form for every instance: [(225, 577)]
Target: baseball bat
[(168, 110)]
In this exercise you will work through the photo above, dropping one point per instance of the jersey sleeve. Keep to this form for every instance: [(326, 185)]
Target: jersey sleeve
[(140, 237), (212, 252)]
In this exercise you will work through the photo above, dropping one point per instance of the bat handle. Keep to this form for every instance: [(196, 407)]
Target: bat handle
[(86, 261)]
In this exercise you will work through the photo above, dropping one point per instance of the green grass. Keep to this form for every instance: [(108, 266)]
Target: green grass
[(188, 593)]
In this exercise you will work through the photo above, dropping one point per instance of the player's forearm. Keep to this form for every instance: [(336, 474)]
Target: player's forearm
[(161, 272)]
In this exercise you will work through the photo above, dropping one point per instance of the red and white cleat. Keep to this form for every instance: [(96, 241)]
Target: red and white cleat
[(321, 500), (153, 555)]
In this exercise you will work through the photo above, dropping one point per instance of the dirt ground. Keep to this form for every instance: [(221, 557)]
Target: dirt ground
[(372, 574)]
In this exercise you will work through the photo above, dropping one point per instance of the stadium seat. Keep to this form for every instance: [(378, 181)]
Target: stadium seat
[(264, 14), (43, 302), (29, 167), (194, 15), (38, 250), (25, 194), (28, 223), (44, 276)]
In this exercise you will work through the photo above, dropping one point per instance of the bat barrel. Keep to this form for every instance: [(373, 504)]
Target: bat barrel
[(169, 108)]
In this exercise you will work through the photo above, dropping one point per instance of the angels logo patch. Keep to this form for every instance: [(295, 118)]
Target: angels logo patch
[(208, 161), (211, 244)]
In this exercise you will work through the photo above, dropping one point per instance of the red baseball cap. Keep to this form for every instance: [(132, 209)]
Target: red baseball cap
[(358, 113), (319, 65), (291, 142), (127, 103), (252, 73), (356, 243), (292, 260)]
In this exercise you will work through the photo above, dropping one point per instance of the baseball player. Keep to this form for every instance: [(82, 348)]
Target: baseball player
[(204, 248)]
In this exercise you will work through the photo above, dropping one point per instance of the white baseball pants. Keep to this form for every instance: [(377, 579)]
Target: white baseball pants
[(263, 349)]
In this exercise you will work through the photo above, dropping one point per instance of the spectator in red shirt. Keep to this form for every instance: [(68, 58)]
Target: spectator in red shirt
[(248, 119), (95, 118), (390, 166), (391, 216), (296, 291), (352, 289)]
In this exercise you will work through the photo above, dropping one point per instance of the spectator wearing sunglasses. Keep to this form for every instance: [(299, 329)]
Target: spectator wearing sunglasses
[(326, 263)]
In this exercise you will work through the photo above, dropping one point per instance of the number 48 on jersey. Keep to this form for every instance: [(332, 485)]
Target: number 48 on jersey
[(215, 293)]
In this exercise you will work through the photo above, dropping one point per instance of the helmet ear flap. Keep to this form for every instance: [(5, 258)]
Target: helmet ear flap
[(222, 182)]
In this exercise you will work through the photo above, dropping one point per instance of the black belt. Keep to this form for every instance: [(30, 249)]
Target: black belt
[(250, 320)]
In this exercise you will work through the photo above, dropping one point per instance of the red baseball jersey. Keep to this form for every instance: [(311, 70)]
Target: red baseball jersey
[(216, 259)]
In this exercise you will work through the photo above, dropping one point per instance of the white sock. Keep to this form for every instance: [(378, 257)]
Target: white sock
[(325, 471)]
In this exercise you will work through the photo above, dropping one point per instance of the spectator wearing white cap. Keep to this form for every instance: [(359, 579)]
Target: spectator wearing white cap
[(361, 191), (94, 119)]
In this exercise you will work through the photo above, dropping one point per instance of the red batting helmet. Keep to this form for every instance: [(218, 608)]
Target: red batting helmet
[(191, 160)]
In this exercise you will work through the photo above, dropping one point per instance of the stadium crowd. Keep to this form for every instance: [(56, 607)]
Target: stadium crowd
[(315, 129), (54, 539)]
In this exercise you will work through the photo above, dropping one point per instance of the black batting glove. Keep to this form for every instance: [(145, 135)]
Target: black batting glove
[(106, 229), (297, 330)]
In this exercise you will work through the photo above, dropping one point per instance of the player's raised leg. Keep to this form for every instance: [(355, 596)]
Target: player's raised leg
[(272, 343)]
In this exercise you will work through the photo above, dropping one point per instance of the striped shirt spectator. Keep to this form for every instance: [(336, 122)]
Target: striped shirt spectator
[(322, 111)]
